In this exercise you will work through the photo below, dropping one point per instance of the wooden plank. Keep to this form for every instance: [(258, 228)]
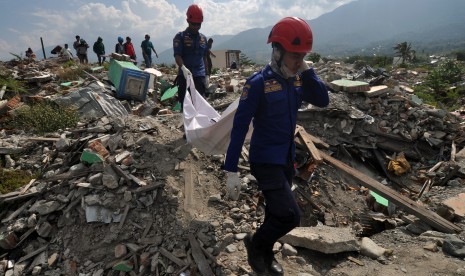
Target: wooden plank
[(19, 197), (189, 188), (18, 211), (32, 254), (125, 214), (147, 188), (173, 258), (121, 173), (199, 257), (317, 141), (25, 188), (44, 139), (307, 141), (410, 206)]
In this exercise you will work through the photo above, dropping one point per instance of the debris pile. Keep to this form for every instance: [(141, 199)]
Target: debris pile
[(123, 193)]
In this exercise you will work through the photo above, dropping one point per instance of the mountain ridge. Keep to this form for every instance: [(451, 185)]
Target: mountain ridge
[(365, 27)]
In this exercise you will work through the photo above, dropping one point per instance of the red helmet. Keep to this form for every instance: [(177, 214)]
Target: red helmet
[(293, 33), (194, 14)]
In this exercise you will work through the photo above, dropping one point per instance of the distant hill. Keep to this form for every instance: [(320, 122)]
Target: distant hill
[(375, 26), (368, 27), (363, 27)]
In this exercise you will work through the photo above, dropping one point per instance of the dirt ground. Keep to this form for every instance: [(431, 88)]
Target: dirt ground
[(164, 218)]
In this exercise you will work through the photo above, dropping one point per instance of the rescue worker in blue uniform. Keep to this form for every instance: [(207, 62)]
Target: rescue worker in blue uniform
[(271, 98), (190, 53)]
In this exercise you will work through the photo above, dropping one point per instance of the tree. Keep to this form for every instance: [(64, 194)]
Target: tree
[(405, 51), (245, 60), (314, 57)]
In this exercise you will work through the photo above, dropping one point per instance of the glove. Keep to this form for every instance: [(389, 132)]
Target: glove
[(233, 185), (185, 71)]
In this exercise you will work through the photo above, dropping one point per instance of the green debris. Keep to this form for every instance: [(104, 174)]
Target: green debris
[(381, 200), (177, 107), (169, 93), (123, 266), (91, 157)]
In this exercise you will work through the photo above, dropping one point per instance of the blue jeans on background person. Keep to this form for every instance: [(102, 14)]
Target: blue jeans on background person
[(148, 61)]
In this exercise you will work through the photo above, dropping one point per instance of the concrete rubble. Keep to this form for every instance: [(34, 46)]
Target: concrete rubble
[(124, 194)]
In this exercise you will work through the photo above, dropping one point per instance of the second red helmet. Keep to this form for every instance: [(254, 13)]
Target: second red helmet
[(194, 14), (293, 33)]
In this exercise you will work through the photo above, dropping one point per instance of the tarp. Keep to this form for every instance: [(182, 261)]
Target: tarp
[(205, 128)]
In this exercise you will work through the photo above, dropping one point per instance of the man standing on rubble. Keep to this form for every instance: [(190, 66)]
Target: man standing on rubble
[(147, 48), (99, 50), (190, 53), (76, 43), (271, 97)]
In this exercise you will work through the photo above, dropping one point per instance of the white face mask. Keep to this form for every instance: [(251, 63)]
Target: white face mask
[(286, 72), (278, 65)]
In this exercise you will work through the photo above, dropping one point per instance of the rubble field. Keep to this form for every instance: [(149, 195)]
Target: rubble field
[(379, 179)]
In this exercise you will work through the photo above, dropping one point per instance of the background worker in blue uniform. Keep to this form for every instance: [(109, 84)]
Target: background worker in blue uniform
[(272, 98), (190, 53)]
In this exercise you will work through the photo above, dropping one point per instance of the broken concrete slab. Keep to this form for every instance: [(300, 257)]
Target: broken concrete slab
[(378, 90), (350, 86), (457, 204), (328, 240)]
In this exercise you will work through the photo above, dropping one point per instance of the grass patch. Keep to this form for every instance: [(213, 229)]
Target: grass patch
[(72, 73), (10, 180), (45, 117), (12, 84)]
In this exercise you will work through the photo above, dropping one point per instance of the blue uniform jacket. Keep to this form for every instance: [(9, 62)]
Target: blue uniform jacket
[(272, 102), (192, 48)]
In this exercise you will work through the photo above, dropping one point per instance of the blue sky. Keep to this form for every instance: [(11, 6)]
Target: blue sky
[(24, 22)]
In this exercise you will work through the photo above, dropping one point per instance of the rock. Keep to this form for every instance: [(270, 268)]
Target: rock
[(288, 250), (231, 248), (431, 247), (370, 249), (120, 251), (109, 181), (418, 227), (240, 236), (62, 144), (228, 223), (324, 239), (44, 207), (454, 246), (92, 200)]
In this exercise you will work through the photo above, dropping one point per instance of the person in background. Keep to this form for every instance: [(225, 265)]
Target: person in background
[(66, 52), (147, 48), (76, 43), (99, 50), (209, 55), (190, 53), (119, 48), (30, 54), (82, 51), (271, 98), (129, 49)]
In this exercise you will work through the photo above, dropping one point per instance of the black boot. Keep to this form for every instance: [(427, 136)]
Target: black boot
[(273, 266), (255, 257)]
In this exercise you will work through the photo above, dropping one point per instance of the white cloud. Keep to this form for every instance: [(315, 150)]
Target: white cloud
[(160, 18)]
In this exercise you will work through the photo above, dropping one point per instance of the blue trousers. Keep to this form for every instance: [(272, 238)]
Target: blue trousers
[(282, 214), (148, 61)]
